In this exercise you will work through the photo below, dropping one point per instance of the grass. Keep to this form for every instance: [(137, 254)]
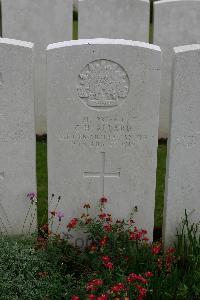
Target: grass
[(43, 192)]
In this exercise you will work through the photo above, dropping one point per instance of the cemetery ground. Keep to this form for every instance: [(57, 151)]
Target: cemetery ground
[(121, 265)]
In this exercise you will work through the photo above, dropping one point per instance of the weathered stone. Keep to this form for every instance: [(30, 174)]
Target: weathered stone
[(103, 105), (127, 19), (42, 22), (176, 23), (182, 180), (17, 138)]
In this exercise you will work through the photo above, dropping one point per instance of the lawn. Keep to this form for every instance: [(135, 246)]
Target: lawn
[(42, 182)]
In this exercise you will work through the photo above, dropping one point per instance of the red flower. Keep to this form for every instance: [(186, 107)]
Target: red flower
[(109, 219), (102, 297), (72, 223), (109, 265), (171, 250), (75, 298), (102, 216), (103, 200), (92, 247), (142, 292), (107, 227), (117, 288), (105, 259), (92, 297), (156, 249), (135, 277), (104, 241), (53, 213), (148, 274), (94, 284)]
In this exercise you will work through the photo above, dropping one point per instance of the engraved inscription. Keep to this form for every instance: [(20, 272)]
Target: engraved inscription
[(103, 84), (109, 131), (188, 141)]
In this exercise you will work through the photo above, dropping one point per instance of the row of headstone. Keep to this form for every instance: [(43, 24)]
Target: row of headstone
[(17, 138), (40, 22), (103, 116), (176, 22)]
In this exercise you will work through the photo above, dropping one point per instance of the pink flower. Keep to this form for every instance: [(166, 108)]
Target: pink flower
[(60, 215), (32, 197)]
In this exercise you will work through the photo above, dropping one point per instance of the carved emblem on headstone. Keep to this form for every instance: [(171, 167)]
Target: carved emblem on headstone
[(103, 84)]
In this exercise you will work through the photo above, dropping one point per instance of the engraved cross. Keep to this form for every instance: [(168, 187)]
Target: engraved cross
[(102, 174)]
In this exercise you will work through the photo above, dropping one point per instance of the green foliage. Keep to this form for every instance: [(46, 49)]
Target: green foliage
[(37, 268)]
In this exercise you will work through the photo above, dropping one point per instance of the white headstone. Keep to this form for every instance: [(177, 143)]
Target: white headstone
[(103, 104), (183, 188), (176, 23), (17, 138), (41, 22), (127, 19)]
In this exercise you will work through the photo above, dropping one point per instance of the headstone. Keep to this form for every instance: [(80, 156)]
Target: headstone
[(17, 138), (176, 23), (183, 167), (41, 22), (102, 126), (127, 19)]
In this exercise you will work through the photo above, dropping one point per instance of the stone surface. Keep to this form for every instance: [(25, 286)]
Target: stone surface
[(176, 23), (127, 19), (17, 138), (42, 22), (102, 113), (183, 166)]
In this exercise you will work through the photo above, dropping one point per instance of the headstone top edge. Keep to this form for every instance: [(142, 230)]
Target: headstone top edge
[(186, 48), (161, 2), (103, 41), (147, 1), (16, 43)]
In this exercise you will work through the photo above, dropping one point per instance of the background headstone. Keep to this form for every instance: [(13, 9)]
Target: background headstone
[(176, 23), (127, 19), (41, 22), (102, 113), (183, 167), (17, 138)]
